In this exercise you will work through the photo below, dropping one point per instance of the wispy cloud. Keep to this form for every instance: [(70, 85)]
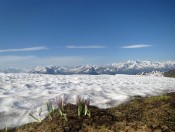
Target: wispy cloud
[(85, 47), (24, 49), (136, 46)]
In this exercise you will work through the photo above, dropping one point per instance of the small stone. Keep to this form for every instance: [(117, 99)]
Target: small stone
[(66, 129), (164, 128)]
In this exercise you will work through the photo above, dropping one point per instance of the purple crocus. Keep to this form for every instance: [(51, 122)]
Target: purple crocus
[(60, 102)]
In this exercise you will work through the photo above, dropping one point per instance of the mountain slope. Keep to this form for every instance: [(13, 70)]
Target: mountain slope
[(170, 73)]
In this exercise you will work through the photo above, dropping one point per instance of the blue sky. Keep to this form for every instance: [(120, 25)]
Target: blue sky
[(80, 32)]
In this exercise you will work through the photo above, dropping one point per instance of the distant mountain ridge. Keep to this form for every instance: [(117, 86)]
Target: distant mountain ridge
[(153, 73), (130, 67), (14, 70)]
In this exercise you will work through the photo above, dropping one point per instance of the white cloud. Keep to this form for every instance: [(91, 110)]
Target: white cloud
[(24, 49), (136, 46), (86, 47), (31, 61)]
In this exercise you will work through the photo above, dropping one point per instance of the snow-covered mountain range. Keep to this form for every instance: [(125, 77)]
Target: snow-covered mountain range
[(129, 67)]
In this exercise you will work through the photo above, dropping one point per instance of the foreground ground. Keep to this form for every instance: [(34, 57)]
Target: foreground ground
[(24, 93), (156, 113)]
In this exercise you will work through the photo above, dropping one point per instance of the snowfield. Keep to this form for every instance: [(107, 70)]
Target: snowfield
[(23, 93)]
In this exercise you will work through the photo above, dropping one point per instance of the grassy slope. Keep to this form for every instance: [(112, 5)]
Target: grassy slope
[(139, 115)]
